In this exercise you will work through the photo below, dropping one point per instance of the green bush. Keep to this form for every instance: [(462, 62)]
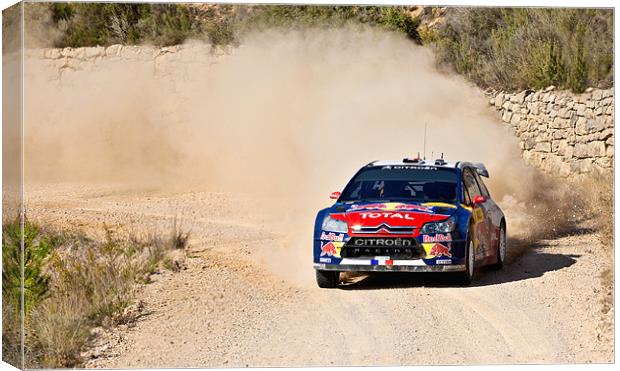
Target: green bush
[(71, 284), (37, 249), (322, 16), (520, 48), (89, 24)]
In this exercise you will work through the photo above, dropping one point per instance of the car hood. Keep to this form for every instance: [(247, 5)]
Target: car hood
[(391, 217)]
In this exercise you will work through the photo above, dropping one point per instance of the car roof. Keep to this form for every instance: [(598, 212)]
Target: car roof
[(440, 163), (404, 162)]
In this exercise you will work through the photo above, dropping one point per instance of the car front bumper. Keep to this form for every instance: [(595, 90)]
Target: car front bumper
[(403, 266)]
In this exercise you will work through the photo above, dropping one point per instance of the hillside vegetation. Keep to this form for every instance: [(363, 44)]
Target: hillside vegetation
[(515, 49), (501, 48), (72, 284)]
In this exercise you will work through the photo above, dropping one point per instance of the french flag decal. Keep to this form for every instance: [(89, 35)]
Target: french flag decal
[(374, 262)]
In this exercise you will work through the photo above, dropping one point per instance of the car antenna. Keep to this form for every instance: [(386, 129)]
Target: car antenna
[(425, 140)]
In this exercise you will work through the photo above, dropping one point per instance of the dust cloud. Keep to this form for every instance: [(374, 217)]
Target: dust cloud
[(291, 115), (288, 114)]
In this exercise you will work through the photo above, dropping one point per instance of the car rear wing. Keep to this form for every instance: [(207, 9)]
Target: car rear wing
[(481, 170)]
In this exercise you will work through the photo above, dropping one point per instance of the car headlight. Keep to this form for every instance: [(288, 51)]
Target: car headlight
[(333, 225), (445, 226)]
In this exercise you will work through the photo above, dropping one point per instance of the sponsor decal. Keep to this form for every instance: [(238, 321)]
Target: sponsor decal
[(325, 260), (388, 215), (439, 204), (331, 236), (328, 249), (443, 261), (437, 238), (374, 242), (440, 250), (408, 167), (331, 249), (392, 206)]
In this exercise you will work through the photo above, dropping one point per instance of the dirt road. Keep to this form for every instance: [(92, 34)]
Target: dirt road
[(247, 296)]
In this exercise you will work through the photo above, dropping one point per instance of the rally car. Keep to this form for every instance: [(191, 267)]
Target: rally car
[(412, 215)]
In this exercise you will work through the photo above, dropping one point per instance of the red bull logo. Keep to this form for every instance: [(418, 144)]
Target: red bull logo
[(440, 250), (329, 249), (437, 238)]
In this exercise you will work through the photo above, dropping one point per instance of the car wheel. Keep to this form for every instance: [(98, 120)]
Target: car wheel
[(501, 248), (468, 275), (327, 279)]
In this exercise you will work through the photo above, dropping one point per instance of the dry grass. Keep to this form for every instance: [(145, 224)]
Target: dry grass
[(89, 283), (599, 198)]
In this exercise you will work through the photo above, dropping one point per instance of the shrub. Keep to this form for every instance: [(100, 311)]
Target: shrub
[(35, 281), (72, 283), (392, 18), (520, 48), (89, 24)]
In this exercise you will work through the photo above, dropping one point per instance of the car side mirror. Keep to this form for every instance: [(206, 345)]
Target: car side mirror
[(479, 199), (335, 195)]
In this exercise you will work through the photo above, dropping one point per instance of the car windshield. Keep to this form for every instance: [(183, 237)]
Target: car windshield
[(402, 183)]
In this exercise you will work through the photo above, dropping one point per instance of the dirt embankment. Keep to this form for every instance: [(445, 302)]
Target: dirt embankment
[(245, 148)]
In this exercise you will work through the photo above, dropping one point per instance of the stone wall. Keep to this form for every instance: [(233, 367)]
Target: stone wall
[(560, 132), (163, 60)]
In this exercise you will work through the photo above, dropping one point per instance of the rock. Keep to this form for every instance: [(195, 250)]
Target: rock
[(595, 125), (581, 109), (530, 142), (581, 166), (550, 88), (581, 150), (559, 134), (559, 146), (543, 147), (597, 94), (93, 52), (52, 53), (130, 52), (560, 123), (113, 50), (596, 149), (581, 126), (519, 98)]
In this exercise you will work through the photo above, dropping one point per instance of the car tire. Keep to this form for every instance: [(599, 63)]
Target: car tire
[(327, 279), (467, 276), (502, 246)]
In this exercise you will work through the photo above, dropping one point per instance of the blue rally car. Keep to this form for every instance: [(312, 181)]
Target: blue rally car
[(412, 215)]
